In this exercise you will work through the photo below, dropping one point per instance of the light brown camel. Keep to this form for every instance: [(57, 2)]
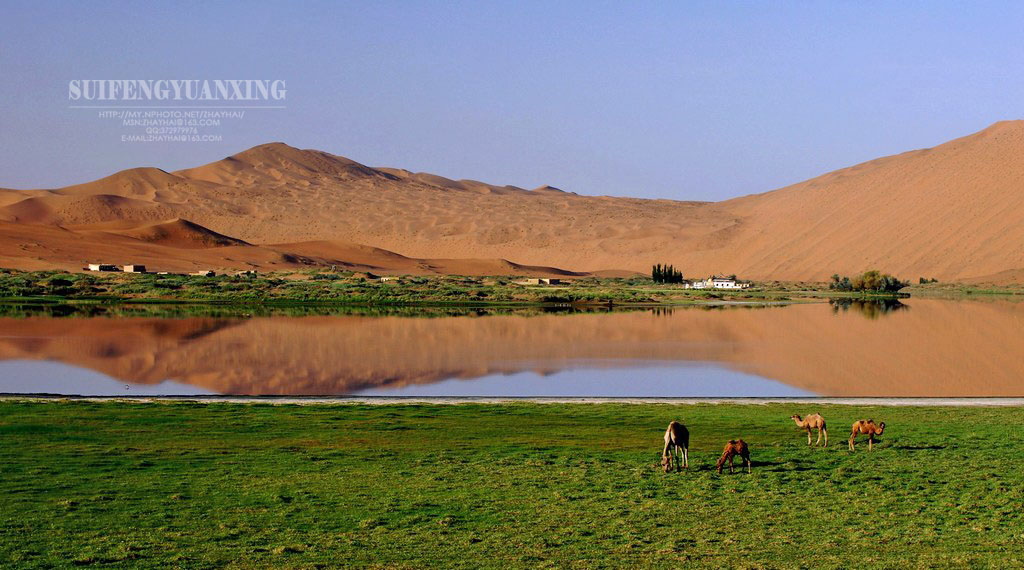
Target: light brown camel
[(732, 449), (867, 427), (677, 443), (813, 421)]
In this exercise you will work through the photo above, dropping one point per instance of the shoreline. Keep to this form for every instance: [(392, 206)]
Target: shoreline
[(504, 400)]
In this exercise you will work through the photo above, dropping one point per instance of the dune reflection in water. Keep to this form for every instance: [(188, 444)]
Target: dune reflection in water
[(917, 348)]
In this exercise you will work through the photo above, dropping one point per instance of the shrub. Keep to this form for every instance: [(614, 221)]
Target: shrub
[(869, 281), (840, 284)]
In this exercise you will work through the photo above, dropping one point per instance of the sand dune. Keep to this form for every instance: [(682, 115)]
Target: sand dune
[(183, 246), (955, 212), (177, 233), (278, 163), (46, 247)]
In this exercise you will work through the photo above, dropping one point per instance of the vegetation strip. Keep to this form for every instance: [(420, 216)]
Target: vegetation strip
[(346, 287)]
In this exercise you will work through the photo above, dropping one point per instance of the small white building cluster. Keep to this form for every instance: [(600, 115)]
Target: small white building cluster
[(716, 283), (130, 268), (539, 281), (138, 268)]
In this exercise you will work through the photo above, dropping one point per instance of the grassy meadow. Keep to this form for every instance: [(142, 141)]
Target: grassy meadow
[(517, 485)]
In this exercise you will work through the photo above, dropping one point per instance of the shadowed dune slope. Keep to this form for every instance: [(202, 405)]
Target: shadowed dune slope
[(178, 233), (955, 212)]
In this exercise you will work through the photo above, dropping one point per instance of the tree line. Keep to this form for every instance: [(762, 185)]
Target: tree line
[(666, 274), (870, 281)]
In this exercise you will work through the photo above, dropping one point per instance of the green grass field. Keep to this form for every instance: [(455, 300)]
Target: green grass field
[(519, 485)]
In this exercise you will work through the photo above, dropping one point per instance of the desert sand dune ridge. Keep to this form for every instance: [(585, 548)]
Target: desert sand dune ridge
[(954, 212)]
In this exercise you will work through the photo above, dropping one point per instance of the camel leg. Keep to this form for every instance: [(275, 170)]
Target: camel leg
[(871, 440), (731, 470), (808, 436), (686, 458), (747, 458), (819, 438), (851, 441), (825, 431)]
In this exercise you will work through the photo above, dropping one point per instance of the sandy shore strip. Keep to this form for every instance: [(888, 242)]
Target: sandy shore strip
[(415, 400)]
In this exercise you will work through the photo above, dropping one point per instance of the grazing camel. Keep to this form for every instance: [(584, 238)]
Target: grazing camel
[(677, 445), (813, 421), (867, 427), (732, 449)]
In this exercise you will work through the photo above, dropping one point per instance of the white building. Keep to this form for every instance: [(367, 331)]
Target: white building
[(102, 267), (717, 283), (539, 281)]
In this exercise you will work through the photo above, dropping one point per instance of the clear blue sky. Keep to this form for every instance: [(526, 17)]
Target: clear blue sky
[(669, 100)]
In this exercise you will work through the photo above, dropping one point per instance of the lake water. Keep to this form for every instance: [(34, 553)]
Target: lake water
[(913, 348)]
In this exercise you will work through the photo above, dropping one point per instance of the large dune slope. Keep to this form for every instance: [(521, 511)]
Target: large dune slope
[(955, 211)]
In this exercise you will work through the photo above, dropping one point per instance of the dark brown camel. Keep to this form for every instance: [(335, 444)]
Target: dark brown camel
[(732, 449)]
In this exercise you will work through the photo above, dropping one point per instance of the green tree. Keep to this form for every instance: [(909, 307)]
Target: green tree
[(666, 273)]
